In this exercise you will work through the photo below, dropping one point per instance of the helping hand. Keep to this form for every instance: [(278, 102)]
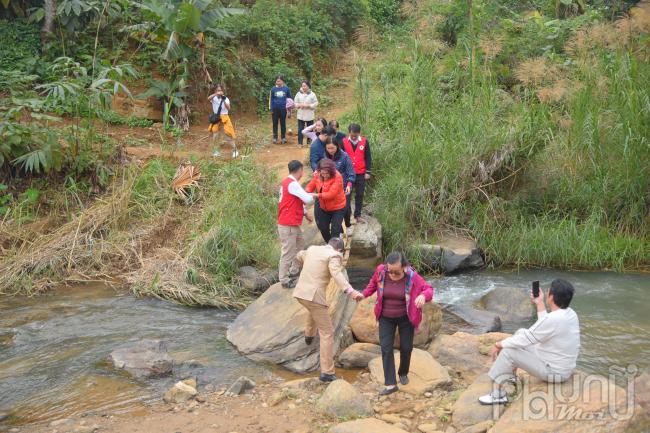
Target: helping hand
[(357, 296), (348, 190), (309, 218), (420, 301)]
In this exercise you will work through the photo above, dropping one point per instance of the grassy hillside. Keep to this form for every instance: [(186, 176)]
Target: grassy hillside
[(522, 124)]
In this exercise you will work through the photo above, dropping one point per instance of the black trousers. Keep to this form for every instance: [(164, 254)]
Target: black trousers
[(387, 327), (359, 189), (279, 115), (302, 124), (329, 223)]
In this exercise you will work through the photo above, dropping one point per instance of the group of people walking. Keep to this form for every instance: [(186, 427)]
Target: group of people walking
[(341, 163)]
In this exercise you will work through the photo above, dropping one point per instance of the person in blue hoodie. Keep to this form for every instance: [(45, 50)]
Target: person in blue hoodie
[(278, 106), (317, 147)]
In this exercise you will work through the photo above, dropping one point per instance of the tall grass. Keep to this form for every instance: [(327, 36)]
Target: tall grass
[(539, 180)]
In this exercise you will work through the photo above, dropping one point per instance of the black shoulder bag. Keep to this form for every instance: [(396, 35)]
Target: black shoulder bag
[(216, 117)]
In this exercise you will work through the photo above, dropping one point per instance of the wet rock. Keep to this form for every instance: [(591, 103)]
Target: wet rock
[(203, 374), (143, 359), (359, 355), (467, 411), (466, 354), (341, 399), (367, 239), (180, 392), (583, 404), (271, 329), (368, 425), (256, 280), (451, 254), (511, 304), (467, 319), (240, 386), (425, 373), (366, 329)]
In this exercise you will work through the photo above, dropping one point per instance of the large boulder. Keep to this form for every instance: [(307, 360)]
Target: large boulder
[(368, 425), (271, 329), (641, 420), (367, 238), (255, 280), (466, 354), (451, 254), (341, 399), (358, 355), (425, 372), (143, 359), (583, 404), (513, 305), (366, 329), (467, 411), (467, 319)]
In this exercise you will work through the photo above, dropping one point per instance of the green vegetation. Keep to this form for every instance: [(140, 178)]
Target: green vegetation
[(527, 130)]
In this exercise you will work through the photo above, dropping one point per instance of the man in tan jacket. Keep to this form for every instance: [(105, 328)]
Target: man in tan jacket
[(320, 264)]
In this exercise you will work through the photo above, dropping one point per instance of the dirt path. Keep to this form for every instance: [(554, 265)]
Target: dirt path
[(253, 131)]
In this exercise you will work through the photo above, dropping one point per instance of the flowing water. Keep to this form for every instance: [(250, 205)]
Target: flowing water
[(53, 347)]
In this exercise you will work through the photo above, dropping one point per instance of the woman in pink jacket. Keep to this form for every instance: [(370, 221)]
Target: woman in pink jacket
[(401, 294)]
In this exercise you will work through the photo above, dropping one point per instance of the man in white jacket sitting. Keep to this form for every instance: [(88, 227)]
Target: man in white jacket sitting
[(547, 350)]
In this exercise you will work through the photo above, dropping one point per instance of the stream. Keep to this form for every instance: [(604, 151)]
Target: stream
[(53, 347)]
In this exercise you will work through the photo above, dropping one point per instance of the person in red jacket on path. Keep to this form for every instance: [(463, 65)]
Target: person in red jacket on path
[(291, 210), (358, 149), (327, 188), (401, 294)]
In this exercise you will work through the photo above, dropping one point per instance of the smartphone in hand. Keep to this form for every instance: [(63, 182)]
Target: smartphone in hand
[(535, 289)]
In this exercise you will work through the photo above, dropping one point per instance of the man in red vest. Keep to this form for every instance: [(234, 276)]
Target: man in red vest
[(358, 148), (291, 210)]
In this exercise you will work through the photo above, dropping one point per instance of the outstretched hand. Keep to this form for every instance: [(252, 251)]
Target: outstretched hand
[(420, 301), (357, 296)]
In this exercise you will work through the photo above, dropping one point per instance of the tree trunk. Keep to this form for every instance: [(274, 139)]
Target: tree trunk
[(183, 117), (49, 6)]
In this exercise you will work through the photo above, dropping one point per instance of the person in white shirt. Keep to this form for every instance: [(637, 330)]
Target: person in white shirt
[(291, 210), (547, 350), (306, 102), (220, 107)]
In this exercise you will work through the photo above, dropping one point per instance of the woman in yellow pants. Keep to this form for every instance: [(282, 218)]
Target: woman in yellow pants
[(220, 107)]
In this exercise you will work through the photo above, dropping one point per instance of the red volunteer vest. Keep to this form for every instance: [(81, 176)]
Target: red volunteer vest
[(358, 156), (290, 208)]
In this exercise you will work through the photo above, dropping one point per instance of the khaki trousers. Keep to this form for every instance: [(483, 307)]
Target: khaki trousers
[(291, 242), (319, 318)]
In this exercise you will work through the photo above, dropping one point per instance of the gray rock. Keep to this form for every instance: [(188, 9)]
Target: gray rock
[(204, 374), (367, 238), (451, 254), (513, 305), (341, 399), (462, 318), (255, 280), (240, 386), (359, 355), (467, 411), (143, 359), (271, 329)]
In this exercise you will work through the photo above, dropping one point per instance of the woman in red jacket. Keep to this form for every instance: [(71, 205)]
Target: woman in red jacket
[(328, 186), (401, 294)]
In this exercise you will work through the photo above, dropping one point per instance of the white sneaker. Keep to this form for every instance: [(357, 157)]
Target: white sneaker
[(349, 230), (216, 154), (495, 397), (235, 153)]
